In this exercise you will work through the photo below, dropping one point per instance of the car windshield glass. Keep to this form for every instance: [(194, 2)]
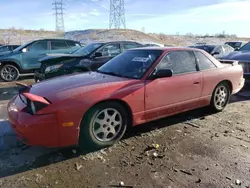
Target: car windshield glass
[(86, 50), (21, 47), (130, 64), (208, 49), (246, 47)]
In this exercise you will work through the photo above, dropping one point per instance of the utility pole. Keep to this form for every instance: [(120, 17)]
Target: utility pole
[(117, 14), (59, 12)]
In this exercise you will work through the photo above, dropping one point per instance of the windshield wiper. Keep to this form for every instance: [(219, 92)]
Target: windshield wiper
[(109, 73)]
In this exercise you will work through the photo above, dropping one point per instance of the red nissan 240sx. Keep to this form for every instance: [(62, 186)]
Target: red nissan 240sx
[(94, 109)]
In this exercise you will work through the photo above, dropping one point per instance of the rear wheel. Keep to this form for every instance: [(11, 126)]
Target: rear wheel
[(221, 96), (103, 126), (9, 73)]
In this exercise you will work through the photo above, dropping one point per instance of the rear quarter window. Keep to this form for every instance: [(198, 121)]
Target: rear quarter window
[(204, 62)]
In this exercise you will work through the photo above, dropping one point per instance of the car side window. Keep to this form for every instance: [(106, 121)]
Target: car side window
[(228, 49), (179, 62), (218, 49), (58, 45), (110, 50), (203, 61), (127, 46), (38, 46)]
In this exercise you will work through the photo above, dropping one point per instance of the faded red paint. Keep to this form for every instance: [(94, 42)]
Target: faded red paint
[(73, 95)]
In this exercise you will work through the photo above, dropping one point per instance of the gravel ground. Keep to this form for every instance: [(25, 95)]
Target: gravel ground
[(194, 149)]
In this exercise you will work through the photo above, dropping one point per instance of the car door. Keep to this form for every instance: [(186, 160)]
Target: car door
[(35, 51), (182, 91), (209, 74), (107, 52)]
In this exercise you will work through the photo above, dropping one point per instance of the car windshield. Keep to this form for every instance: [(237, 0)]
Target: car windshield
[(21, 47), (208, 49), (246, 47), (86, 50), (130, 64)]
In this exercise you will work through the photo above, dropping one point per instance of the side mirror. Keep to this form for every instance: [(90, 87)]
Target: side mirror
[(162, 73), (215, 53), (98, 54), (24, 50)]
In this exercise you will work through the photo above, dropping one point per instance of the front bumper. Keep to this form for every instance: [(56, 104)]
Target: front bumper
[(39, 130), (38, 76)]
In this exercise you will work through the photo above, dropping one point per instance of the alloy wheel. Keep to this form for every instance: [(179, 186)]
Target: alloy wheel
[(107, 125), (221, 96), (9, 73)]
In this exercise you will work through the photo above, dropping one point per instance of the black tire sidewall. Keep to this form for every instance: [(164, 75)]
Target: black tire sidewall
[(87, 139), (17, 71), (214, 107)]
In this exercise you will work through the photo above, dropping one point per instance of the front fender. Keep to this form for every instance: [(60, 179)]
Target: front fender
[(5, 61)]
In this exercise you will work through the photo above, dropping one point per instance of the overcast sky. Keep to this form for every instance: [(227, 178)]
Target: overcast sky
[(166, 16)]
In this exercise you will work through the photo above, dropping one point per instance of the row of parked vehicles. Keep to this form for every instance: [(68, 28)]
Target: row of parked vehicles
[(48, 58), (128, 85)]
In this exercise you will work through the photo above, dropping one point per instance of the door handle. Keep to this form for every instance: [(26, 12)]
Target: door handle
[(196, 83)]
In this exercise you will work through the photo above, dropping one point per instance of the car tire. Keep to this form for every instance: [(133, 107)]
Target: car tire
[(103, 126), (9, 73), (220, 97)]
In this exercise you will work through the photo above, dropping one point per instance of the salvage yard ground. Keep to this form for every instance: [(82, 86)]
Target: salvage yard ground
[(196, 149)]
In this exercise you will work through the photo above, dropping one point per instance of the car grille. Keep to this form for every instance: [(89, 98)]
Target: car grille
[(246, 67)]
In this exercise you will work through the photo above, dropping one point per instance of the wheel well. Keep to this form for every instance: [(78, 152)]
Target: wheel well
[(229, 84), (122, 103), (10, 63)]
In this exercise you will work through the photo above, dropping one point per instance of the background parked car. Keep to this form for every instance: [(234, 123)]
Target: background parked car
[(8, 48), (242, 55), (87, 58), (24, 59), (236, 45), (215, 50)]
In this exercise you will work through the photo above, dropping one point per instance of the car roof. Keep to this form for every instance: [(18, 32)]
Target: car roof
[(166, 48), (108, 42), (54, 39)]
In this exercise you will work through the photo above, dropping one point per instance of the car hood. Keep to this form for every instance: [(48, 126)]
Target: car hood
[(238, 56), (49, 57), (57, 88), (7, 54)]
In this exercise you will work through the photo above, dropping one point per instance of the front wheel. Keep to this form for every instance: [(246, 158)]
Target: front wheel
[(103, 126), (220, 97), (9, 73)]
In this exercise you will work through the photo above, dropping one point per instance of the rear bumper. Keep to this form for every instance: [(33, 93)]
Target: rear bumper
[(240, 86)]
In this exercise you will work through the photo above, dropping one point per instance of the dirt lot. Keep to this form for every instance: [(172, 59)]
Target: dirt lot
[(196, 149)]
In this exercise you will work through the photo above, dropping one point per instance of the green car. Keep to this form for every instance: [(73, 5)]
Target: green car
[(25, 59)]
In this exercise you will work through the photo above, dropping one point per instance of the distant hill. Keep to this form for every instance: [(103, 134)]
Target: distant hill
[(121, 34), (19, 36)]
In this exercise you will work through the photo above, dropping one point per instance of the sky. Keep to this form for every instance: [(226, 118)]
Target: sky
[(156, 16)]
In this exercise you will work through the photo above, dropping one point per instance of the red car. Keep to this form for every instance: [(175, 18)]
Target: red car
[(94, 109)]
